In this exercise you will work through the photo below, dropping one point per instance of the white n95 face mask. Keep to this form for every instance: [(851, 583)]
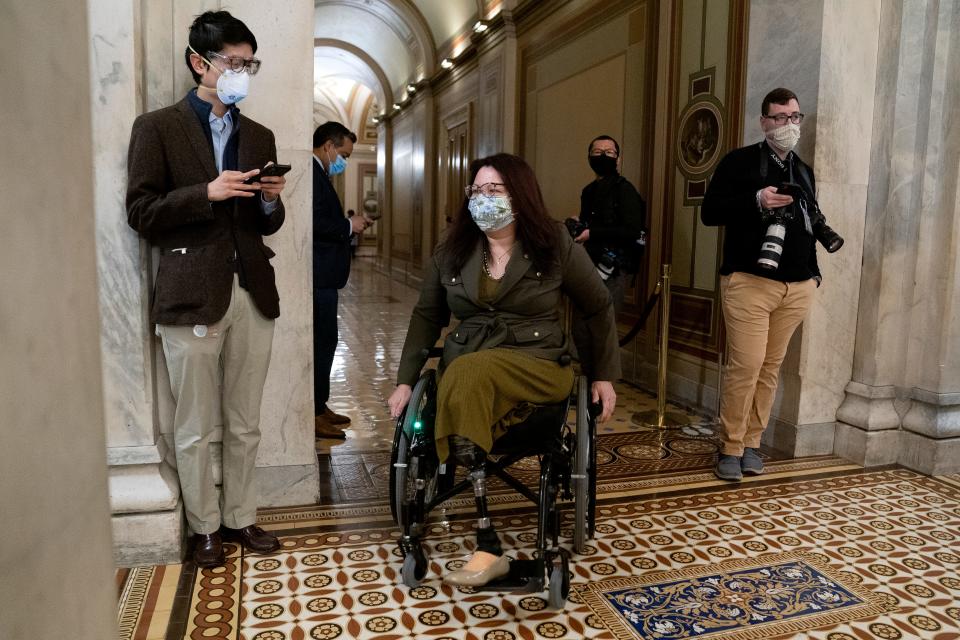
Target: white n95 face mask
[(232, 86)]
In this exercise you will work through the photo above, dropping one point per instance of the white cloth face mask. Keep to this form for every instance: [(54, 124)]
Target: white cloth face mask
[(784, 138)]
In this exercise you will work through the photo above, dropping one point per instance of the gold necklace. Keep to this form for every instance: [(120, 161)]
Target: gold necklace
[(486, 267), (504, 255)]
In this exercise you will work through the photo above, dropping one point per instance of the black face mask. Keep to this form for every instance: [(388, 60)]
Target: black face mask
[(603, 165)]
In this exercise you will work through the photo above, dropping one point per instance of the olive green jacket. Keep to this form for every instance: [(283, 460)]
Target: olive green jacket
[(524, 315)]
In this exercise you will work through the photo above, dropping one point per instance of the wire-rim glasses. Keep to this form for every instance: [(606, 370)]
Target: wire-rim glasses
[(488, 189)]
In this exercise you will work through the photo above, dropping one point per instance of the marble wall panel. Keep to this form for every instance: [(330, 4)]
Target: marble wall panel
[(826, 355), (847, 79), (125, 337), (784, 51), (281, 98)]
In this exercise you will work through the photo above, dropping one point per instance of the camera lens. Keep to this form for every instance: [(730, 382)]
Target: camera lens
[(772, 247)]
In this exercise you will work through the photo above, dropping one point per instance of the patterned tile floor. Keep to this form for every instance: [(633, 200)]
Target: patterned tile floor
[(891, 536)]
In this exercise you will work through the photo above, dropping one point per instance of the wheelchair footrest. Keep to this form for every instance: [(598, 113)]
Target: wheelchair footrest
[(525, 575)]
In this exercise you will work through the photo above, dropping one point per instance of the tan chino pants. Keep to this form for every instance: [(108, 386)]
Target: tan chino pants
[(760, 316), (238, 348)]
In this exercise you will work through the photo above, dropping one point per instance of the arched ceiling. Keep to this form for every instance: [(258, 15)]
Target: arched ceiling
[(383, 45), (447, 18)]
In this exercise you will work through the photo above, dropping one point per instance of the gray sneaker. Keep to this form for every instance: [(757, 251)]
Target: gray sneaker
[(751, 464), (728, 468)]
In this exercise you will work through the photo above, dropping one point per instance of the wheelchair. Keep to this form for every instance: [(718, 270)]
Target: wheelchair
[(419, 483)]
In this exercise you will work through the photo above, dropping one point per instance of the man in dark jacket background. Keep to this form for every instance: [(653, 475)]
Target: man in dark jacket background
[(612, 221), (332, 230), (215, 297), (763, 302)]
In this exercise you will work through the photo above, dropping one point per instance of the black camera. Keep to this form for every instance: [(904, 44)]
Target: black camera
[(575, 227), (607, 264), (830, 239)]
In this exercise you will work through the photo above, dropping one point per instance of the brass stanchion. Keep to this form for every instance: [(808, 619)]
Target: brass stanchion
[(660, 417)]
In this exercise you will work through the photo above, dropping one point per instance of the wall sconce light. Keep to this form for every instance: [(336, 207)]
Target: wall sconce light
[(480, 26), (396, 107), (446, 63), (411, 88), (376, 119)]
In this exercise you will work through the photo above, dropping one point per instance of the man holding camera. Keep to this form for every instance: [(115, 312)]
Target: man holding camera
[(764, 195), (194, 191), (611, 229)]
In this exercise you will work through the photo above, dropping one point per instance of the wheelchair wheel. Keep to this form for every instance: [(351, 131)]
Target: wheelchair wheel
[(413, 456), (414, 567), (559, 585), (585, 470)]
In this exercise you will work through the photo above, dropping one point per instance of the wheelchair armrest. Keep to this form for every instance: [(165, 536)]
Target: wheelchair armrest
[(432, 352)]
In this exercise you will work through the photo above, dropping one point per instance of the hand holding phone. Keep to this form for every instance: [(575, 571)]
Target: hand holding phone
[(270, 170), (791, 189)]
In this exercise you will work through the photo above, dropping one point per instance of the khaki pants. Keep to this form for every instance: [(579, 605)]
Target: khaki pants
[(238, 348), (761, 316)]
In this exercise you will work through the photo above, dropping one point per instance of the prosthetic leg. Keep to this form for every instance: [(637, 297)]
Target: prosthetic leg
[(488, 562)]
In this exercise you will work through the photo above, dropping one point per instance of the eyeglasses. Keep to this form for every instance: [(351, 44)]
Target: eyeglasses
[(238, 64), (610, 153), (489, 189), (781, 118)]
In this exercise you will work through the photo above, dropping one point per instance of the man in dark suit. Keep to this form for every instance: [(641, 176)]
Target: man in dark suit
[(215, 297), (332, 230)]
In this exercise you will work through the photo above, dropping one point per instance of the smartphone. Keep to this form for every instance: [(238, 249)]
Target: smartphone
[(791, 189), (269, 170)]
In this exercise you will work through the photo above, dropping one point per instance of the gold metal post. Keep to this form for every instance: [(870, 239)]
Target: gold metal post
[(660, 417)]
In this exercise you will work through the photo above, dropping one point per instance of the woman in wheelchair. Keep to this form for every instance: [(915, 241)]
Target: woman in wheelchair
[(501, 270)]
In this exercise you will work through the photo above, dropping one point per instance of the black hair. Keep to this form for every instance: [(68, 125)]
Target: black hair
[(212, 30), (615, 144), (332, 131), (777, 96)]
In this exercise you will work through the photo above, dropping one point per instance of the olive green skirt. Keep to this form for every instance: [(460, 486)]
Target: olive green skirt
[(481, 394)]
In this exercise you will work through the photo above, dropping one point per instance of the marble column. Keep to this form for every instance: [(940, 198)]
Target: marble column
[(907, 372), (281, 98), (55, 562), (144, 491)]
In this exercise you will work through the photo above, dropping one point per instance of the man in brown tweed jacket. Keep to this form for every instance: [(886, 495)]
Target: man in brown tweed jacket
[(215, 297)]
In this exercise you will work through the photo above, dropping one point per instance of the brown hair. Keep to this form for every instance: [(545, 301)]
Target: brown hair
[(536, 230), (777, 96)]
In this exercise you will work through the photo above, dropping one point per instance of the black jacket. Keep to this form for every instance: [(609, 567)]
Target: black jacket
[(615, 214), (169, 165), (731, 201), (331, 234)]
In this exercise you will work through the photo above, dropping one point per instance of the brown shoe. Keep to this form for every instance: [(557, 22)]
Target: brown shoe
[(208, 551), (323, 429), (253, 538), (334, 418)]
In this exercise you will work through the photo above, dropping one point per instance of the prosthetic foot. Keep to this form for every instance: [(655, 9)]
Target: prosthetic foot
[(488, 562)]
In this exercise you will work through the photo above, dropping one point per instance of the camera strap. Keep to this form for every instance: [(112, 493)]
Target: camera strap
[(766, 153)]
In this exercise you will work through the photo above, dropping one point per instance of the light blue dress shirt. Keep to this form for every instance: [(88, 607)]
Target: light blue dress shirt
[(220, 130)]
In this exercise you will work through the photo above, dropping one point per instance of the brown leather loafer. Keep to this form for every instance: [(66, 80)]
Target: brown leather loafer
[(334, 418), (253, 538), (208, 550), (323, 429)]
